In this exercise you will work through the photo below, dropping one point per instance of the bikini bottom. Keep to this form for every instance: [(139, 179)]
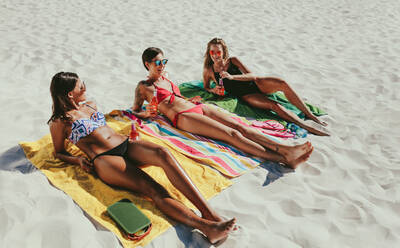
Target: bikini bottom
[(120, 150), (197, 109)]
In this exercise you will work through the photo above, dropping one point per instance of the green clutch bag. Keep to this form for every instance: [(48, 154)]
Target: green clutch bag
[(135, 224)]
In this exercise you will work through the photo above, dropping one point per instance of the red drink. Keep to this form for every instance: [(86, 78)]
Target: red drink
[(134, 134), (221, 91), (153, 105)]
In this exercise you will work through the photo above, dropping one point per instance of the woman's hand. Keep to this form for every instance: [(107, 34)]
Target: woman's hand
[(151, 111), (195, 100), (226, 75), (216, 89), (85, 164)]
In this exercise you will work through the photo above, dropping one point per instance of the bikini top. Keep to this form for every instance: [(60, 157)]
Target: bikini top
[(164, 93), (83, 127)]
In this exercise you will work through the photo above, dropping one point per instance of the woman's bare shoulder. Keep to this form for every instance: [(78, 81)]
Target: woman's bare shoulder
[(92, 104), (143, 86), (142, 83), (235, 60), (57, 125)]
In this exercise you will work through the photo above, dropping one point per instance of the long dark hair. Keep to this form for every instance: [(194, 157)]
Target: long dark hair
[(61, 84), (207, 58), (149, 54)]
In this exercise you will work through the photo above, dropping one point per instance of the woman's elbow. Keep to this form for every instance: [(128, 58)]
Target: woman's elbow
[(60, 154), (136, 108)]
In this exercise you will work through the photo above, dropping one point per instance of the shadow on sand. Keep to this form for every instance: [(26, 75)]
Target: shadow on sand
[(275, 171)]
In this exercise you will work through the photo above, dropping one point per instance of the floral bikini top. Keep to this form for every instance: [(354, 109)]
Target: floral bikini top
[(83, 127)]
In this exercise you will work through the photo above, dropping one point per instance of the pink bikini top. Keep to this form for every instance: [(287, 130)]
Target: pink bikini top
[(163, 93)]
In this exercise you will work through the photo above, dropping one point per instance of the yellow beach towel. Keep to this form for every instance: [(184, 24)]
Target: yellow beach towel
[(93, 196)]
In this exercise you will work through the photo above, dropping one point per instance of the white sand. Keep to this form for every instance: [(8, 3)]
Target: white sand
[(341, 55)]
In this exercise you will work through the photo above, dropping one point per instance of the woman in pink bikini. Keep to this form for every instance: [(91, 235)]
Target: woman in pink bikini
[(118, 161), (204, 120)]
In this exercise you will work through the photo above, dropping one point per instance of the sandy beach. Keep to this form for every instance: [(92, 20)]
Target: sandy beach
[(343, 56)]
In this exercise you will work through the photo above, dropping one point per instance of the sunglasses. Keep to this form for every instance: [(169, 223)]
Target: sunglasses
[(212, 53), (159, 62)]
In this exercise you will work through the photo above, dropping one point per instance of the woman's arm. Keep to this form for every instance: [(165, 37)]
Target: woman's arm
[(57, 131), (206, 82), (138, 102), (246, 76)]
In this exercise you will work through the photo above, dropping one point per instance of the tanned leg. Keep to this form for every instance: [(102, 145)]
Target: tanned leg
[(293, 155), (203, 125), (145, 153), (116, 171), (261, 101), (270, 85)]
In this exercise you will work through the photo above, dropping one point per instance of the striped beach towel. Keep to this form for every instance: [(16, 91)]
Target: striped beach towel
[(228, 160)]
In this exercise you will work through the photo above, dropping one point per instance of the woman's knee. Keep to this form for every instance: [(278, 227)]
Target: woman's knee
[(282, 85), (233, 133), (162, 152), (239, 127), (244, 130), (164, 157), (259, 80), (276, 107)]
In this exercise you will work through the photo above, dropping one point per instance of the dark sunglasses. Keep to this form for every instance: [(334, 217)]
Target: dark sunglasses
[(159, 62), (212, 53)]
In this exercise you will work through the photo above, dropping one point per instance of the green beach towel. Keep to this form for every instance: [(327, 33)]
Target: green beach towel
[(239, 107)]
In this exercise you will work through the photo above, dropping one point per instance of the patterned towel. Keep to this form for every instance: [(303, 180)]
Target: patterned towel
[(225, 158)]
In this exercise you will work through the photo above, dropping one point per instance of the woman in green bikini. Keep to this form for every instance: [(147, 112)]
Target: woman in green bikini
[(238, 81)]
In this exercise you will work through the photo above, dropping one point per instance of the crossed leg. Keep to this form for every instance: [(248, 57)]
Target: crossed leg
[(270, 85), (261, 101), (211, 126), (293, 155), (116, 171)]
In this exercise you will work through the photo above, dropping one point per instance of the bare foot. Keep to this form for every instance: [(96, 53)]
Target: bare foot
[(312, 128), (291, 153), (314, 118), (296, 162), (323, 123), (215, 217), (218, 230)]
